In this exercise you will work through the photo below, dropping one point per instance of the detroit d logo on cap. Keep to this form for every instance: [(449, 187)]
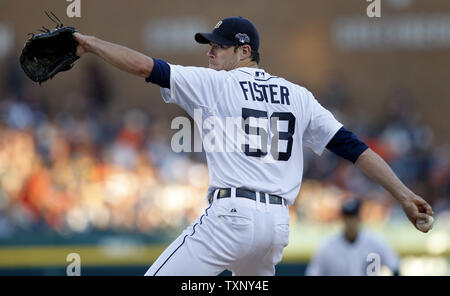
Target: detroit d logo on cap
[(218, 24)]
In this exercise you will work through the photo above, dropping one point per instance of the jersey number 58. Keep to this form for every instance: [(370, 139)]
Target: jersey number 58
[(275, 137)]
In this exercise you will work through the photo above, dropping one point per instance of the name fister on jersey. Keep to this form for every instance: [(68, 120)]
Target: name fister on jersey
[(271, 93)]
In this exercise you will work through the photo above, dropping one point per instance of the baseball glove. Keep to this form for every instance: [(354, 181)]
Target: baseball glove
[(44, 55)]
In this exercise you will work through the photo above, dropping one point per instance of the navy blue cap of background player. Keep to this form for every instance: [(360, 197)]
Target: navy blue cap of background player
[(231, 31), (351, 207)]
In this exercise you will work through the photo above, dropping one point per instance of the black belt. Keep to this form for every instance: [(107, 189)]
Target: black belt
[(245, 193)]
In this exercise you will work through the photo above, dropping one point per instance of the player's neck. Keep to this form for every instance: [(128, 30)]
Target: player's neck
[(351, 237), (247, 63)]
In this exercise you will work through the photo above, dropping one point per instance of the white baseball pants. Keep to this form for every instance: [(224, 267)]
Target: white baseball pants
[(244, 236)]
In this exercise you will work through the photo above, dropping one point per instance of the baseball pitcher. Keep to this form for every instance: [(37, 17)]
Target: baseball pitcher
[(246, 223)]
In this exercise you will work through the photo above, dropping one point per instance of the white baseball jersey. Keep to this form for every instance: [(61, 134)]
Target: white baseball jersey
[(338, 257), (275, 118)]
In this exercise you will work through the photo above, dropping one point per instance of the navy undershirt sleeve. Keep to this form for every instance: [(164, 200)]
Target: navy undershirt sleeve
[(160, 74), (347, 145)]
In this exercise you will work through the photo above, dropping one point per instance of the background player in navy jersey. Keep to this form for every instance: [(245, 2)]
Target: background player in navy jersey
[(351, 251)]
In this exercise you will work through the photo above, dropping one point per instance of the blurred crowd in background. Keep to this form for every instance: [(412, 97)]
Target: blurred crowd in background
[(82, 170)]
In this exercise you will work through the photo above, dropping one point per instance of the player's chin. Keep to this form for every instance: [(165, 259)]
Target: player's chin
[(214, 67)]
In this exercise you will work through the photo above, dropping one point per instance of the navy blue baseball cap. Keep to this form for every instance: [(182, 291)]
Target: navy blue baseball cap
[(231, 31), (351, 207)]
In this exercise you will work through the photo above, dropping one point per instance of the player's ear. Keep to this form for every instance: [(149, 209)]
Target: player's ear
[(246, 51)]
